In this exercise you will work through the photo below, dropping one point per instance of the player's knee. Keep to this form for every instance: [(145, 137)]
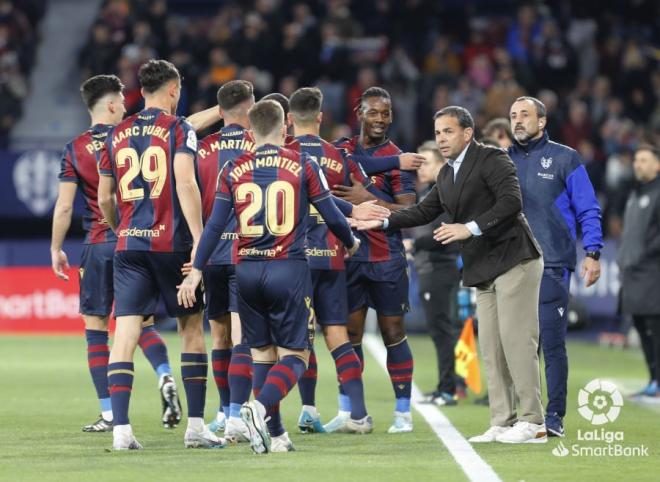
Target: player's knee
[(264, 354), (93, 322), (335, 335), (302, 354), (392, 335), (148, 322), (221, 332)]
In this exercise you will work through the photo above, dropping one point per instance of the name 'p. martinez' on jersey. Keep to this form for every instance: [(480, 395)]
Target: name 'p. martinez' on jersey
[(377, 245), (80, 165), (324, 250), (270, 190), (214, 151), (139, 154)]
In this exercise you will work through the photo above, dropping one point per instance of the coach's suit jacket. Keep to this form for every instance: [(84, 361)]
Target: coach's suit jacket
[(486, 191)]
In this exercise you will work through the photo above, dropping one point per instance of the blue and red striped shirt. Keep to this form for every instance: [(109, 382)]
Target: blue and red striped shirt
[(270, 190), (378, 245), (324, 250), (139, 154), (79, 165), (215, 151)]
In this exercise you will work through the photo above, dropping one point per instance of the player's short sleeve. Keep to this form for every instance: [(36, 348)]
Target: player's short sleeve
[(223, 185), (317, 185), (358, 172), (67, 170), (105, 159), (402, 182), (186, 139)]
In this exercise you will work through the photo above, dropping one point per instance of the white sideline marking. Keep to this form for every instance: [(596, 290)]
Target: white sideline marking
[(466, 457)]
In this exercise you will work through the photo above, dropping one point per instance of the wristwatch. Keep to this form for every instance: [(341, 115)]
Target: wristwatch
[(593, 254)]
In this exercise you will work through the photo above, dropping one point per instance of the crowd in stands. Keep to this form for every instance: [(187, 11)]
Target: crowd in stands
[(596, 69), (18, 40)]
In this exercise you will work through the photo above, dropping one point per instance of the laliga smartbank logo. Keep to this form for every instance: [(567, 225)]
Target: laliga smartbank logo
[(600, 402)]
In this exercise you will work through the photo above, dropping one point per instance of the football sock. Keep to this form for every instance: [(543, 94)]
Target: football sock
[(220, 361), (349, 375), (120, 381), (97, 360), (240, 378), (307, 383), (154, 349), (194, 367), (274, 420), (360, 354), (400, 368)]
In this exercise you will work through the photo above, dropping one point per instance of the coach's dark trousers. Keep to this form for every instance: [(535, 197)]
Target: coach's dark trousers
[(437, 292), (553, 315)]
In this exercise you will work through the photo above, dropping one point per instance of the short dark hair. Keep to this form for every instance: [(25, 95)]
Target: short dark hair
[(541, 111), (651, 148), (94, 88), (233, 93), (305, 104), (498, 124), (280, 99), (463, 116), (155, 73), (266, 116), (372, 92)]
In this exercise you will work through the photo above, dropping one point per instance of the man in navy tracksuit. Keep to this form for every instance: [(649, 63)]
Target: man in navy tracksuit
[(557, 195)]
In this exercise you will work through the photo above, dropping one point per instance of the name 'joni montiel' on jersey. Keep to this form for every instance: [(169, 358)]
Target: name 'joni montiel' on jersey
[(270, 189), (215, 150), (140, 154), (324, 250), (380, 245), (79, 165)]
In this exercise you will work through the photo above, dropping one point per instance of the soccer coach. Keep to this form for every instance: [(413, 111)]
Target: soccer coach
[(557, 196), (478, 190)]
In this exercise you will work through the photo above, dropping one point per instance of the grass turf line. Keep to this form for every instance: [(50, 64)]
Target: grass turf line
[(46, 395)]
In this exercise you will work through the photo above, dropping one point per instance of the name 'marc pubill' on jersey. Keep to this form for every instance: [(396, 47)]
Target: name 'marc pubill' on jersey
[(139, 154)]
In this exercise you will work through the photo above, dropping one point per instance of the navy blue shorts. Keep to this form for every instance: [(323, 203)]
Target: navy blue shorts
[(142, 276), (95, 275), (275, 303), (382, 286), (330, 302), (220, 290)]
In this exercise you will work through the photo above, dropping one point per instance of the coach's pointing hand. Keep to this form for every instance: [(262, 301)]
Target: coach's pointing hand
[(187, 288)]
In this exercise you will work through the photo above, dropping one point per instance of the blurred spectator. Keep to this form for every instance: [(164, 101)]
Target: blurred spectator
[(499, 130), (578, 126), (504, 91)]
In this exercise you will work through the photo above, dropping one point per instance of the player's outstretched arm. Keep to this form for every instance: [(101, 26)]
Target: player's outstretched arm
[(406, 161), (205, 118), (335, 220), (357, 194), (61, 223), (363, 211), (107, 201), (188, 193)]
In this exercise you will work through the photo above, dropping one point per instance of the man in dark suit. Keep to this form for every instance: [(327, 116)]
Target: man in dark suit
[(478, 189)]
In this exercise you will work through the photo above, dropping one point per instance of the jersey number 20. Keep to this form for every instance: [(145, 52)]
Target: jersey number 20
[(279, 222)]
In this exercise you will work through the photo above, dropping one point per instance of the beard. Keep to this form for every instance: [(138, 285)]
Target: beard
[(523, 136)]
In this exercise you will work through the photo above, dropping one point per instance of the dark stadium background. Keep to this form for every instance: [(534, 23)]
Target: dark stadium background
[(595, 64)]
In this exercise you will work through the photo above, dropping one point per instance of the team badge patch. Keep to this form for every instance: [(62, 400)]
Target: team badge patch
[(546, 162)]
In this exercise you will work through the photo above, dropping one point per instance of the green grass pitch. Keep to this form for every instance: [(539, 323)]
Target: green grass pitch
[(46, 396)]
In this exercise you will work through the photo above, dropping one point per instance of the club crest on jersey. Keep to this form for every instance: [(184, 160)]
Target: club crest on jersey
[(546, 162), (191, 141)]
